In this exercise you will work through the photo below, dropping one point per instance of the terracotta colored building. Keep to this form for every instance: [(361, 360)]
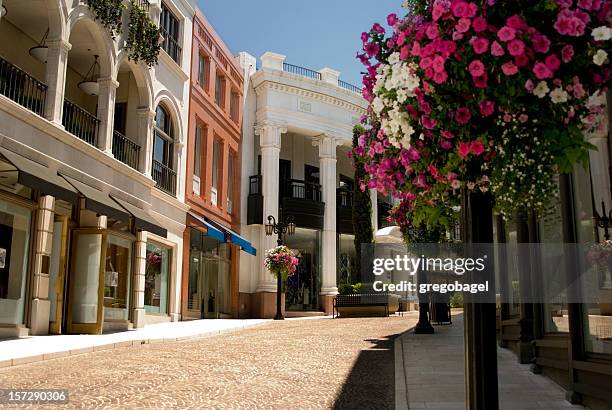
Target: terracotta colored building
[(211, 239)]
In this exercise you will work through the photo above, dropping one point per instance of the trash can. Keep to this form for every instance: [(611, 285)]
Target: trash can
[(440, 308)]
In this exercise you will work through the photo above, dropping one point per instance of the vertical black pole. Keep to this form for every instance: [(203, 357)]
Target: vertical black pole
[(480, 321), (279, 279)]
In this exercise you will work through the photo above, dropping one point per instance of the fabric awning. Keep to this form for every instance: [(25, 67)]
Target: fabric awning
[(40, 178), (142, 220), (210, 229), (242, 242), (98, 201)]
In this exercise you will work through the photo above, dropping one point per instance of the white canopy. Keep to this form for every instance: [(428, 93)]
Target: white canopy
[(390, 234)]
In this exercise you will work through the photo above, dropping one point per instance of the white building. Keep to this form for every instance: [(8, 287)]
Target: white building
[(91, 186), (297, 132)]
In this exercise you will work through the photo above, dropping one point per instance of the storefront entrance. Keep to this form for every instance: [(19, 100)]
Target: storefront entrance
[(57, 274)]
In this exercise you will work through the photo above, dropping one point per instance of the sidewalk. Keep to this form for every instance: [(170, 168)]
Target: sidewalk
[(36, 348), (433, 375)]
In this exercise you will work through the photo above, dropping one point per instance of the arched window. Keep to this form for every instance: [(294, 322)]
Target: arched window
[(163, 152)]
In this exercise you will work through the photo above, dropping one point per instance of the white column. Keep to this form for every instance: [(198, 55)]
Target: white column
[(1, 10), (270, 143), (106, 113), (57, 61), (374, 201), (327, 162), (146, 121), (140, 265)]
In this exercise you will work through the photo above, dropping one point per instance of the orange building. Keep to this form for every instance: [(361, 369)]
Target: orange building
[(212, 242)]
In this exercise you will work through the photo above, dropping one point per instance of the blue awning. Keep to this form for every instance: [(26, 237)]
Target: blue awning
[(243, 243), (210, 229)]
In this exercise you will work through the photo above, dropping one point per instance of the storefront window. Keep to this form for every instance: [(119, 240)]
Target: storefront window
[(346, 259), (209, 276), (512, 280), (156, 279), (14, 246), (117, 278), (303, 287)]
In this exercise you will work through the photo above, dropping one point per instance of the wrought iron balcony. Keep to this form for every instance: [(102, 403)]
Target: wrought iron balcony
[(80, 123), (171, 46), (165, 177), (344, 198), (22, 88), (298, 189), (349, 86), (302, 71), (125, 150)]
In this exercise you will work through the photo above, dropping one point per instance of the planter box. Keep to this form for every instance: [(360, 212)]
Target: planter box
[(368, 310)]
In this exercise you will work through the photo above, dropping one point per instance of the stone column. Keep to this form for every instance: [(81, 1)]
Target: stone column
[(140, 265), (1, 10), (374, 201), (57, 61), (39, 313), (327, 162), (270, 143), (146, 121), (106, 114)]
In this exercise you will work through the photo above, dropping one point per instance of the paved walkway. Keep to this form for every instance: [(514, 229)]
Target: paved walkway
[(317, 363), (434, 378)]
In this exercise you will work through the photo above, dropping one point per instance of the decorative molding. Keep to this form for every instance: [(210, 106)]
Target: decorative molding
[(270, 133), (305, 106), (327, 146)]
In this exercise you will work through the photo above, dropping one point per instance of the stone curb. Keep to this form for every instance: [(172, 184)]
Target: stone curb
[(401, 386), (114, 345)]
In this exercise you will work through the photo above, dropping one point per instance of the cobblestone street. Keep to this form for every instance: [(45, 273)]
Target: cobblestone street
[(291, 364)]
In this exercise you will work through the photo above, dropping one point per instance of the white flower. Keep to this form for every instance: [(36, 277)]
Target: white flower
[(600, 57), (596, 99), (394, 58), (378, 105), (541, 89), (602, 33), (558, 95)]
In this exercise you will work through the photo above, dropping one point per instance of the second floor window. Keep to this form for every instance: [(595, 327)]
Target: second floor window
[(163, 143), (202, 71), (231, 163), (170, 30), (234, 106), (197, 155), (219, 91), (215, 166)]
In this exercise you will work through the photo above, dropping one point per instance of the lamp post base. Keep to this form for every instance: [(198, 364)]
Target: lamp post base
[(279, 316)]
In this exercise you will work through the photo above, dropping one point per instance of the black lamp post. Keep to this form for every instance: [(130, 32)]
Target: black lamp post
[(604, 221), (279, 228)]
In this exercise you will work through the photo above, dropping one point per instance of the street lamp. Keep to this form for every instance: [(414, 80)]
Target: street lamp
[(279, 228)]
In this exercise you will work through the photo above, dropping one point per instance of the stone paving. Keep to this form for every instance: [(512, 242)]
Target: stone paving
[(339, 363), (434, 375)]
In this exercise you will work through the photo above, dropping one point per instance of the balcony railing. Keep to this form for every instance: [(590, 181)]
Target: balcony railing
[(302, 71), (349, 86), (344, 198), (295, 188), (165, 177), (125, 150), (22, 88), (80, 123), (144, 4), (171, 46)]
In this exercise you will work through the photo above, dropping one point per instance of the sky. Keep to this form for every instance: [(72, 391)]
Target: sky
[(311, 33)]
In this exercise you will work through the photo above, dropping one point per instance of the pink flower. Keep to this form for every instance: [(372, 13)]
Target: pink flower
[(455, 184), (437, 12), (523, 118), (507, 117), (451, 176), (462, 25), (419, 181), (541, 43), (480, 45), (496, 49), (578, 90), (529, 86), (464, 149), (567, 53), (446, 145), (428, 122), (564, 3), (413, 154), (589, 4), (463, 115), (432, 31), (521, 60), (486, 108), (482, 81), (404, 53), (515, 22), (440, 77), (377, 28), (509, 68), (479, 24), (477, 147), (541, 71), (471, 10), (426, 63), (372, 49), (447, 134), (459, 9), (516, 47), (476, 68), (392, 19), (506, 33), (552, 62), (438, 63)]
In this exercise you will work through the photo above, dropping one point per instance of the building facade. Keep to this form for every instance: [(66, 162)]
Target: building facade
[(212, 242), (297, 132), (92, 161)]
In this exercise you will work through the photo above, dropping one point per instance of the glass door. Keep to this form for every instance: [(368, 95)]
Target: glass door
[(86, 298), (57, 273)]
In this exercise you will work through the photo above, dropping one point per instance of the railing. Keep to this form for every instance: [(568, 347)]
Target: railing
[(304, 72), (165, 177), (171, 46), (144, 4), (349, 86), (80, 123), (126, 150), (295, 188), (22, 88), (255, 185), (344, 198)]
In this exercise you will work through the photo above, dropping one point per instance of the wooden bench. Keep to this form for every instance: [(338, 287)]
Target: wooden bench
[(360, 300)]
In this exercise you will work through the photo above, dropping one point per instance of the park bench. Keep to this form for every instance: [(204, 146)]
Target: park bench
[(362, 303)]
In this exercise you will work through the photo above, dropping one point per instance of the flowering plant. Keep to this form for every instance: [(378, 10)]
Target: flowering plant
[(280, 260), (487, 95), (600, 254)]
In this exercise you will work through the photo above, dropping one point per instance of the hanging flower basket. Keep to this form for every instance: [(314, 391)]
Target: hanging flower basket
[(281, 260)]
